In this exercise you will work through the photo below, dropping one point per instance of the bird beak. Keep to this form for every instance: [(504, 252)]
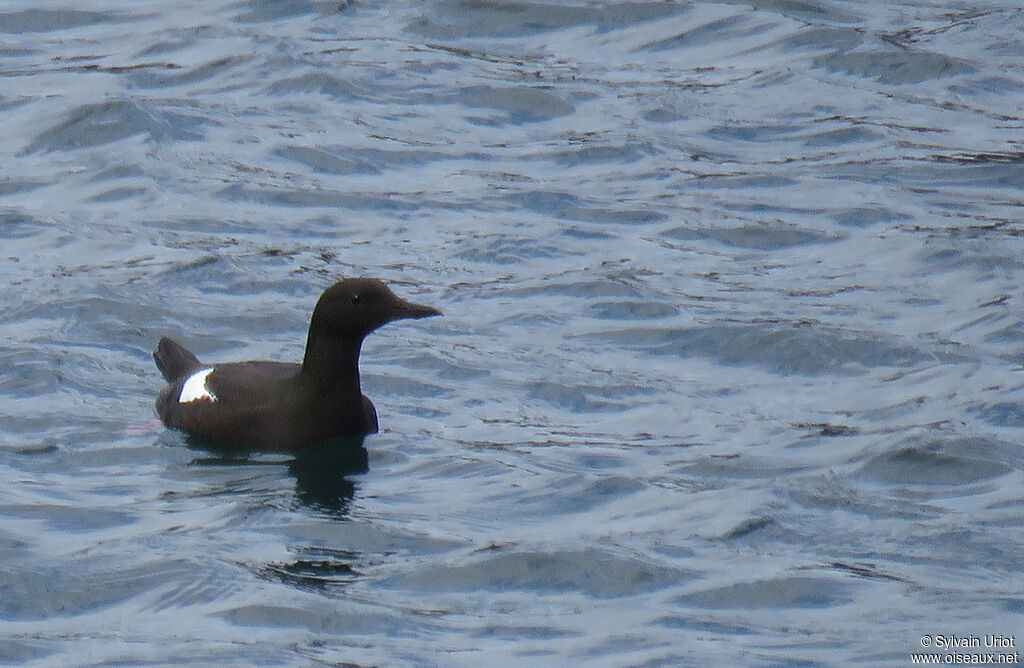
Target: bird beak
[(406, 309)]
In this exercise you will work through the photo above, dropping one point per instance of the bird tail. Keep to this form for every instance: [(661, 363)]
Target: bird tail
[(174, 360)]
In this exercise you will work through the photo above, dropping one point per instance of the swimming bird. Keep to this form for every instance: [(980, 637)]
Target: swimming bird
[(280, 405)]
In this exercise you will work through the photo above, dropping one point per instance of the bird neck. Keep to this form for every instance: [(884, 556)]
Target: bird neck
[(332, 363)]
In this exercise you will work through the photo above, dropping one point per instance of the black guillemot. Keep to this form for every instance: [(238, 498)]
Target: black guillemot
[(280, 405)]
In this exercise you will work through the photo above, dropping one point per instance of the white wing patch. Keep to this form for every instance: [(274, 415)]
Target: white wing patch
[(195, 388)]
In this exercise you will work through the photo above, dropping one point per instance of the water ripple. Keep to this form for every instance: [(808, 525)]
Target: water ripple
[(728, 371)]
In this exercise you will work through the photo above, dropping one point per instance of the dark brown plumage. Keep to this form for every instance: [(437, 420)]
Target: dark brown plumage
[(278, 405)]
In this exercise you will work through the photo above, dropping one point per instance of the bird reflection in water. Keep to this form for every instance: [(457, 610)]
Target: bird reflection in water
[(322, 470)]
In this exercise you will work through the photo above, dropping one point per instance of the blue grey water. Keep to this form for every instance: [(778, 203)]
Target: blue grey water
[(731, 370)]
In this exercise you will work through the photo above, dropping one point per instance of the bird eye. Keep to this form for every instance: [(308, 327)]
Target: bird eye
[(356, 299)]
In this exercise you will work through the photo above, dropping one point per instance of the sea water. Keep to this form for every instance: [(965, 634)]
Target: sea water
[(729, 373)]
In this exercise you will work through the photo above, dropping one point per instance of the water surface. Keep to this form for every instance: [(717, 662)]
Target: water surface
[(730, 366)]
